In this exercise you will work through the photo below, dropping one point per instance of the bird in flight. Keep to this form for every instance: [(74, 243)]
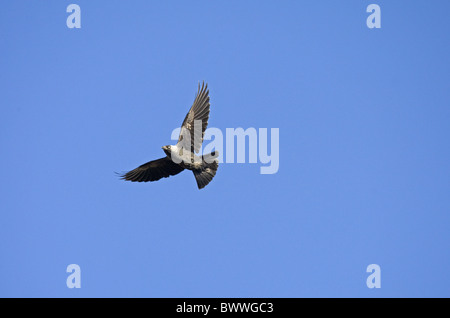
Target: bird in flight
[(183, 154)]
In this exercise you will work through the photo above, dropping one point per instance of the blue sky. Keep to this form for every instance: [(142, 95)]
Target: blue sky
[(364, 154)]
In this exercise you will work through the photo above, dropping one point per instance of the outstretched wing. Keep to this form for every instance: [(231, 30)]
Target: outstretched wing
[(153, 171), (196, 121)]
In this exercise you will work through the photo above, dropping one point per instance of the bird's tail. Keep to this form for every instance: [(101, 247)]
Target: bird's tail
[(204, 175)]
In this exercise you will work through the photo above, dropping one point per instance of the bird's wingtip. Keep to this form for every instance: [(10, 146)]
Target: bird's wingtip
[(121, 176)]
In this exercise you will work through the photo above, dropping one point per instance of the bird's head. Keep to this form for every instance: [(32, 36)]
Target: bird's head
[(167, 149)]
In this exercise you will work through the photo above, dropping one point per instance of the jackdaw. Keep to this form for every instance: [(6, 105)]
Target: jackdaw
[(182, 155)]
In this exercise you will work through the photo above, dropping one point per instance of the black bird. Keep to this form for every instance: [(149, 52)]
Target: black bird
[(182, 155)]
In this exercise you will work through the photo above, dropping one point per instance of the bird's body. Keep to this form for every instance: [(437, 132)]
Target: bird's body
[(186, 159), (183, 155)]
